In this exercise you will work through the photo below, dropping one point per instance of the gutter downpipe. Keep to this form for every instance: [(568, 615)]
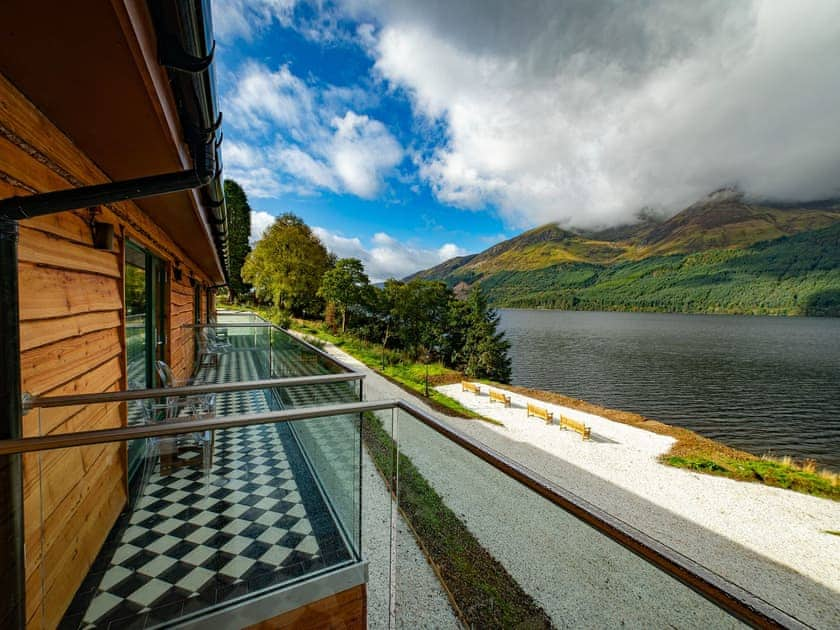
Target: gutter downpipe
[(12, 559), (186, 49)]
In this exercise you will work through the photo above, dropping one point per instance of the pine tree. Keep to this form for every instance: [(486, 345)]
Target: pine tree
[(485, 349), (239, 231)]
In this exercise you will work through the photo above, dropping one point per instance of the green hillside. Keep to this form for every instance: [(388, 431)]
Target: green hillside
[(711, 258)]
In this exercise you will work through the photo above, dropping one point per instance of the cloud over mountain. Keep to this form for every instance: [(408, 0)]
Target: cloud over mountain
[(586, 112)]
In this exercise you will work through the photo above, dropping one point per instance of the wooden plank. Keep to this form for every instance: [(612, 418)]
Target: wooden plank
[(347, 609), (91, 418), (27, 121), (42, 248), (40, 332), (69, 225), (78, 529), (98, 494), (48, 293), (30, 124), (25, 168), (67, 359), (103, 378)]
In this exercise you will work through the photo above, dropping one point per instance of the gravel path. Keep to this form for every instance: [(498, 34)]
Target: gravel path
[(580, 577)]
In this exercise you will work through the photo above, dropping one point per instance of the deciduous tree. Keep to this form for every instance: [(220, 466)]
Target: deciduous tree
[(347, 286), (287, 265)]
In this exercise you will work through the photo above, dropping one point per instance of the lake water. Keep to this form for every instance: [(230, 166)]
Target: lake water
[(761, 384)]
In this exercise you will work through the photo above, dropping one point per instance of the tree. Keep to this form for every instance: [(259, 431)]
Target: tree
[(484, 353), (347, 286), (287, 265), (419, 310), (239, 231)]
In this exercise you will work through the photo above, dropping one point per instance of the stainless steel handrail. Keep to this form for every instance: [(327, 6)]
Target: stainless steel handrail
[(191, 425), (260, 324), (35, 402), (728, 596)]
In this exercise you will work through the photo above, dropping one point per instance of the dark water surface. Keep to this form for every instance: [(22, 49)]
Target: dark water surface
[(762, 384)]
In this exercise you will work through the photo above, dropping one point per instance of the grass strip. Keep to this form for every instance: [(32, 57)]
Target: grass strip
[(486, 595), (699, 454)]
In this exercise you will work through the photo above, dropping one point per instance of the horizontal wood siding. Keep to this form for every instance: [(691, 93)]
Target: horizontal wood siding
[(72, 341), (346, 610), (181, 313)]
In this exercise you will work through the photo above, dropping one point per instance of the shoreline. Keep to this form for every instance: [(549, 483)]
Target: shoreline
[(694, 451), (789, 528), (651, 312)]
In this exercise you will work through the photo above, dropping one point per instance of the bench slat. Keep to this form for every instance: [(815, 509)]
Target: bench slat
[(466, 386), (499, 397), (574, 425), (540, 412)]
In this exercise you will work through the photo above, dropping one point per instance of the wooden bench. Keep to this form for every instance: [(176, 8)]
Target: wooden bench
[(496, 396), (540, 412), (466, 386), (574, 425)]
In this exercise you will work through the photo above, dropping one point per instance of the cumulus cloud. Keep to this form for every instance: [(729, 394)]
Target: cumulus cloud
[(260, 222), (234, 19), (585, 112), (360, 151), (386, 257), (296, 138)]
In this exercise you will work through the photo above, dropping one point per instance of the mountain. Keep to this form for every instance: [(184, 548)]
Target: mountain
[(722, 254)]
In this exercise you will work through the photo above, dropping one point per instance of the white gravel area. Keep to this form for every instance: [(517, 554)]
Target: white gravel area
[(782, 527), (767, 540)]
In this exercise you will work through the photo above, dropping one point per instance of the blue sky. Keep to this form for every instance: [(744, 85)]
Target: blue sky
[(409, 132)]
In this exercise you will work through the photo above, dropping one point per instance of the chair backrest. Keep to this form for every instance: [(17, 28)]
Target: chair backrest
[(167, 378), (204, 338)]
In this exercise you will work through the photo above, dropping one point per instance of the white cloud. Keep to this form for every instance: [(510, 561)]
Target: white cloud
[(263, 99), (295, 138), (260, 222), (386, 257), (361, 153), (244, 19), (585, 112)]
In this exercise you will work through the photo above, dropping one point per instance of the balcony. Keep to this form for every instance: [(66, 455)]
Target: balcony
[(251, 509), (275, 518)]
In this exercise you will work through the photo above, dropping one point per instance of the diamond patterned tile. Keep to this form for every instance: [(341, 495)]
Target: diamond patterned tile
[(199, 537)]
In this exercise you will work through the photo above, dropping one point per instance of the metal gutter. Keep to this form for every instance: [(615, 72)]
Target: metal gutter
[(186, 48)]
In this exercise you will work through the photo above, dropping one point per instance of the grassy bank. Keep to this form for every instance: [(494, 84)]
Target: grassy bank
[(700, 454), (484, 593)]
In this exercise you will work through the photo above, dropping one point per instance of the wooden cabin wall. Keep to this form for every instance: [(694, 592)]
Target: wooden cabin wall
[(182, 340), (72, 341)]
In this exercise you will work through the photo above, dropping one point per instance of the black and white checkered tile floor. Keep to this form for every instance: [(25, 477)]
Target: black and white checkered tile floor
[(195, 539)]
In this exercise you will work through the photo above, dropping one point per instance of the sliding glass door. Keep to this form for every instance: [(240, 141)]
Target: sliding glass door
[(145, 329)]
